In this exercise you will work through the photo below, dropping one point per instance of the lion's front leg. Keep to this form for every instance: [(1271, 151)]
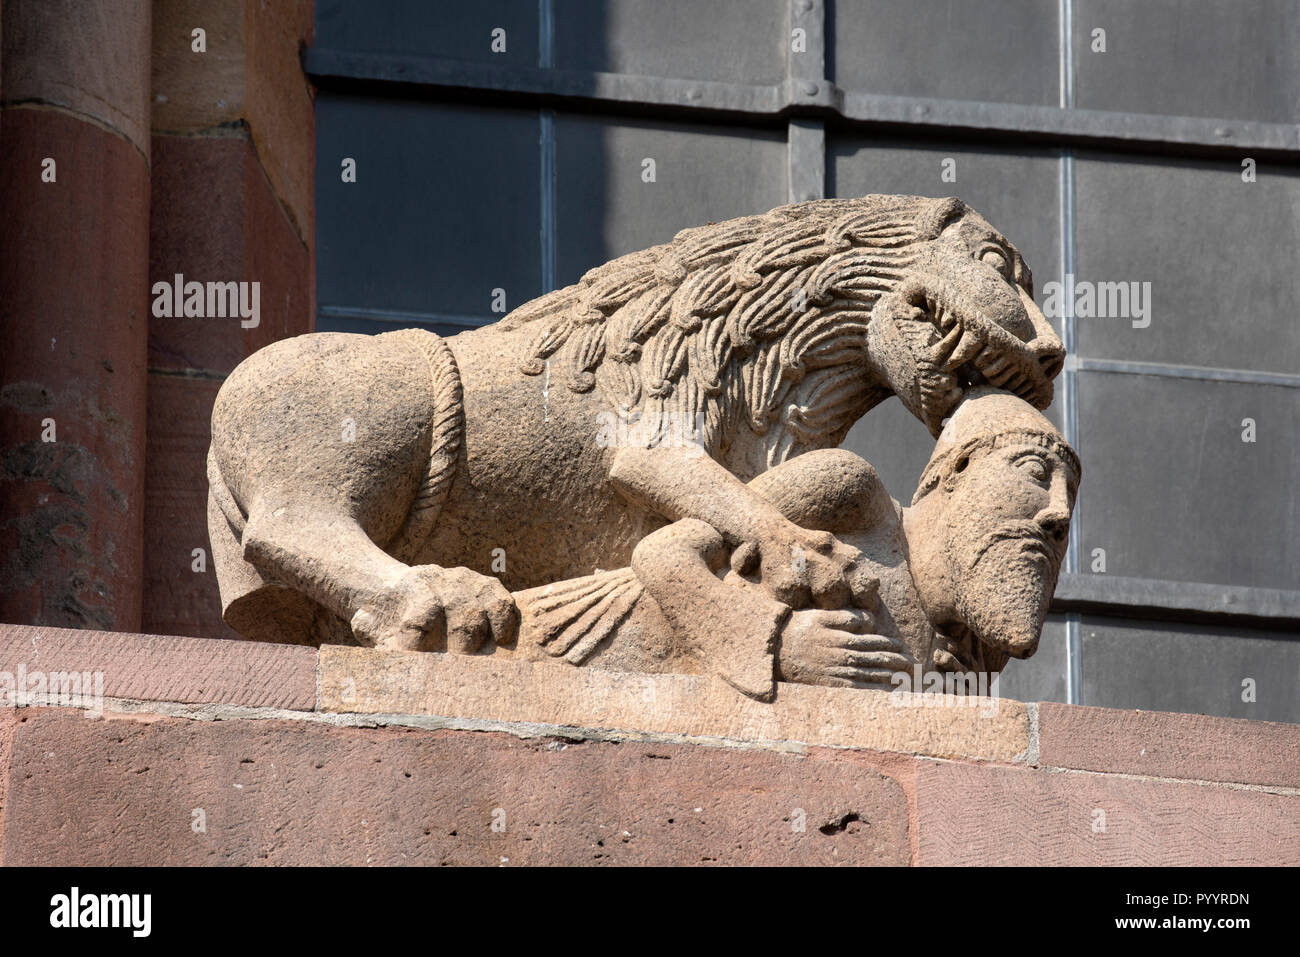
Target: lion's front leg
[(796, 565), (321, 550)]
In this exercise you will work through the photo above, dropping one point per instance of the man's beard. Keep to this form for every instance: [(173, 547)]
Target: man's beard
[(1004, 595)]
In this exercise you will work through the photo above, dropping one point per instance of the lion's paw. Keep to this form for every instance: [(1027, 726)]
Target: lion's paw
[(429, 607)]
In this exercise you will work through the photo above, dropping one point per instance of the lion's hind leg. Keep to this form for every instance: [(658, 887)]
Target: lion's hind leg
[(332, 456), (258, 607), (321, 551)]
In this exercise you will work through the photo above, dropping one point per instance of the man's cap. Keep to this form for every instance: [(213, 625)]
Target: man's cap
[(990, 417)]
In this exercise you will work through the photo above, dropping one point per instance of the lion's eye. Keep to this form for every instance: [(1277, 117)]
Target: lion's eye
[(996, 259), (1034, 466)]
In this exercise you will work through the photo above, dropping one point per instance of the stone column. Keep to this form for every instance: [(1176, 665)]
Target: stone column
[(233, 139), (74, 310)]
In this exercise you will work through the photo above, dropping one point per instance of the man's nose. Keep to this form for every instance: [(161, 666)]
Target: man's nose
[(1054, 519)]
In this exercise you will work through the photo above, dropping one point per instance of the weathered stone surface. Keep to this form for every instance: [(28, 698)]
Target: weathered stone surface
[(989, 816), (179, 598), (247, 237), (8, 719), (251, 78), (244, 238), (495, 688), (74, 315), (130, 792), (46, 61), (386, 491), (197, 91), (1169, 745), (157, 668)]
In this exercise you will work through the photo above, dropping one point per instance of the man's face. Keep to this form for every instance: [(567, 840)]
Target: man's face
[(1006, 522)]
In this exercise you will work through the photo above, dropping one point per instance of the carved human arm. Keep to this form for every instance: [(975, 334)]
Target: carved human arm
[(745, 637), (681, 567), (798, 565), (839, 648), (831, 490)]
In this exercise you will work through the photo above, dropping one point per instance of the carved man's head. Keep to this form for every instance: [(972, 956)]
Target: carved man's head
[(989, 521)]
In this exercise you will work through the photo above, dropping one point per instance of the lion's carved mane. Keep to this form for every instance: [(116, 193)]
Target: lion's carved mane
[(709, 327)]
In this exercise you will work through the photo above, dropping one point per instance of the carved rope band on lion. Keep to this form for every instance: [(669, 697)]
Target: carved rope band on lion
[(394, 490)]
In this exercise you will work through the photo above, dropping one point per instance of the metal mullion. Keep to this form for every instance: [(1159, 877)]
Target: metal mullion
[(1069, 382)]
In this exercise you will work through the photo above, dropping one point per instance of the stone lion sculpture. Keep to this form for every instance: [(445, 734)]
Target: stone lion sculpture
[(392, 490)]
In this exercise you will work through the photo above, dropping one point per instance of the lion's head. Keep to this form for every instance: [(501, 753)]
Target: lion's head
[(796, 322)]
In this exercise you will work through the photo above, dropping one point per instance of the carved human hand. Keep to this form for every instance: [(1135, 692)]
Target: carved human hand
[(837, 648), (427, 604)]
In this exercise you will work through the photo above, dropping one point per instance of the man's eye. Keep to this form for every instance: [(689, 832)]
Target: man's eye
[(1035, 466), (994, 258)]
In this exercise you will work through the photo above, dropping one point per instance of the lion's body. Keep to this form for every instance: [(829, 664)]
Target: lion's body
[(533, 480)]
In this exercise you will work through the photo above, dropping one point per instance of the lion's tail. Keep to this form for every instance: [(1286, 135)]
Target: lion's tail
[(448, 432), (573, 618)]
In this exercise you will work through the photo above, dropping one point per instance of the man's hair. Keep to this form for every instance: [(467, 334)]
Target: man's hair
[(952, 459), (989, 418)]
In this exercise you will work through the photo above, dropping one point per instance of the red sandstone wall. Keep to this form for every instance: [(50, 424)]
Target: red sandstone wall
[(294, 774), (168, 161), (74, 190)]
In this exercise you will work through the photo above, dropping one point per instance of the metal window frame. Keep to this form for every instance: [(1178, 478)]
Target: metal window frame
[(809, 99)]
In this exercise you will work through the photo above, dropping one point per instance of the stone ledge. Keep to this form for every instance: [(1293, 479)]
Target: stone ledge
[(163, 668), (126, 792), (125, 789), (1164, 745), (8, 719), (364, 681), (496, 690), (994, 816)]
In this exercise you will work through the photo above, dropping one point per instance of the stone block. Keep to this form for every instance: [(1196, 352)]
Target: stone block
[(493, 688), (1164, 745), (159, 668), (129, 792), (988, 816)]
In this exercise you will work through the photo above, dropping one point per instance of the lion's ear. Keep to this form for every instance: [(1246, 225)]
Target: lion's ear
[(939, 216)]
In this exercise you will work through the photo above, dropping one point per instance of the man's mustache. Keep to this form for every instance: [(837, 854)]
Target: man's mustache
[(1026, 532)]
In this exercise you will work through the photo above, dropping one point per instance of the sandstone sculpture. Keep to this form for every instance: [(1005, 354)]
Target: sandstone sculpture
[(389, 490), (958, 582)]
